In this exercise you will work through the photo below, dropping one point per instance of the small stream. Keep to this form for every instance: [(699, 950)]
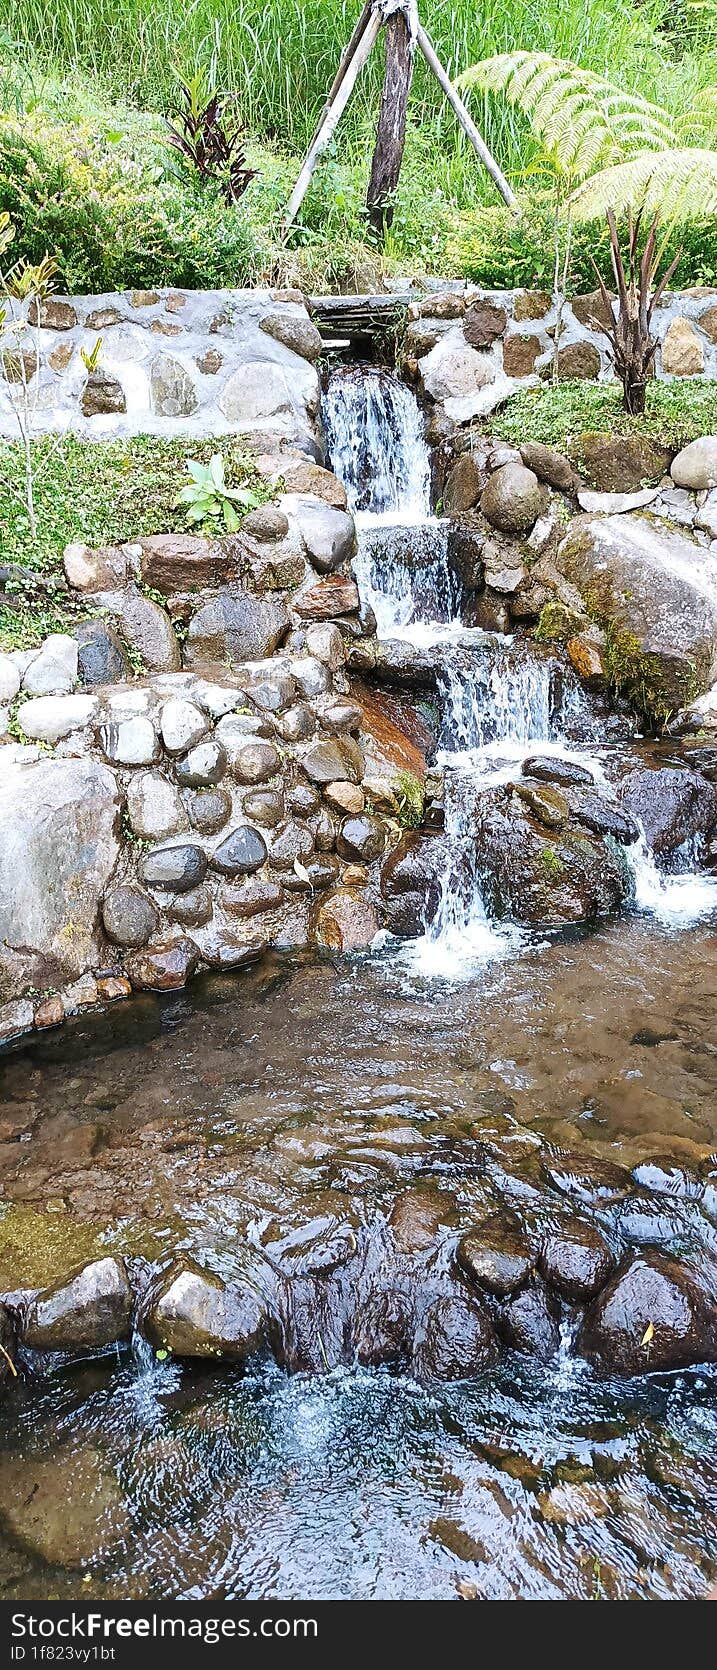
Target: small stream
[(436, 1076)]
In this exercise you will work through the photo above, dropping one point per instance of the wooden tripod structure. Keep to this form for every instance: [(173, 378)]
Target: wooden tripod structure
[(403, 33)]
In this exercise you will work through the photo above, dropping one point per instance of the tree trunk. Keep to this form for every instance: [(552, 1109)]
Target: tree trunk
[(391, 135)]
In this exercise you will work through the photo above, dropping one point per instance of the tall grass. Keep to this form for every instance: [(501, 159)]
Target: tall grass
[(280, 55)]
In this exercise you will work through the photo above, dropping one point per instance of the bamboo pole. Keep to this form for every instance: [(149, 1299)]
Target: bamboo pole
[(334, 111), (466, 121)]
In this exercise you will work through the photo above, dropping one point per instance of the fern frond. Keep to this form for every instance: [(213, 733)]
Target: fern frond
[(581, 118), (677, 185)]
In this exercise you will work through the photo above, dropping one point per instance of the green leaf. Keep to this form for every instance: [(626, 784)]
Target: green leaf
[(231, 520)]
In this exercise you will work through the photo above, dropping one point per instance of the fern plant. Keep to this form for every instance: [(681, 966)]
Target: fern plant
[(678, 184), (582, 121)]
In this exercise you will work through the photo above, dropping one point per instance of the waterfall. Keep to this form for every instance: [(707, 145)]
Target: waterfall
[(502, 699)]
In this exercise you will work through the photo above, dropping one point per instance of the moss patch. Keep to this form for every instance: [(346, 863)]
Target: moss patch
[(38, 1248), (411, 800), (557, 415), (655, 690)]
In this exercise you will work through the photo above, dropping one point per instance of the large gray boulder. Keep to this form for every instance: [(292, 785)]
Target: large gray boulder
[(654, 590), (59, 829), (236, 627)]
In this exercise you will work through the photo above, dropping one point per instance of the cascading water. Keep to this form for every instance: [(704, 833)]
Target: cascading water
[(502, 700)]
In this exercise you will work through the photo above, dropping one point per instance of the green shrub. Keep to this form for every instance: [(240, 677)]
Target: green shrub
[(112, 221)]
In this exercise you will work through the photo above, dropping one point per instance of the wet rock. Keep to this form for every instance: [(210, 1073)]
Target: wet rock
[(497, 1256), (241, 852), (590, 1181), (66, 1508), (311, 677), (192, 909), (513, 499), (576, 1261), (683, 353), (15, 1019), (302, 801), (102, 395), (182, 725), (417, 1217), (91, 1309), (653, 1316), (663, 1175), (235, 627), (54, 671), (383, 1330), (645, 1222), (272, 692), (8, 1342), (297, 724), (695, 467), (578, 361), (464, 486), (256, 762), (49, 1013), (265, 807), (209, 812), (235, 730), (252, 898), (674, 805), (411, 883), (59, 829), (329, 598), (455, 1341), (294, 841), (162, 968), (648, 584), (203, 767), (622, 463), (177, 868), (572, 876), (100, 653), (549, 465), (221, 949), (528, 1322), (334, 759), (361, 837), (149, 630), (195, 1315), (545, 802), (604, 818), (328, 534), (588, 656), (154, 807), (343, 920), (130, 741), (128, 916), (552, 769), (346, 798)]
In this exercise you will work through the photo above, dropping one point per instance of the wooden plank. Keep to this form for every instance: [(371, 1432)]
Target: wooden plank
[(466, 121), (332, 116), (391, 134)]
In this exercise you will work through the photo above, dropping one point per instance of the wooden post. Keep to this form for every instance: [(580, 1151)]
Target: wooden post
[(466, 121), (391, 135), (334, 111)]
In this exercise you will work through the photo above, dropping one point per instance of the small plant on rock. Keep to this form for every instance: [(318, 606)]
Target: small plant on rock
[(209, 138), (209, 499)]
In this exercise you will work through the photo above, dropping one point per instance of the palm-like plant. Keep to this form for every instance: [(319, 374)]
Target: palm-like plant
[(632, 345)]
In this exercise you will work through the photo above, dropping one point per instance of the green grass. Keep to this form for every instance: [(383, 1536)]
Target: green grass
[(102, 493), (280, 57), (557, 414)]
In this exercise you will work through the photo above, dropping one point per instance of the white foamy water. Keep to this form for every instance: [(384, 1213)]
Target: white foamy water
[(502, 699)]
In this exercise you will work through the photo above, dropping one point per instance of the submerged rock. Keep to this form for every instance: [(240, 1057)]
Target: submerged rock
[(66, 1508), (674, 804), (654, 1315), (195, 1315), (496, 1256), (163, 968), (529, 1322), (89, 1310), (576, 1261)]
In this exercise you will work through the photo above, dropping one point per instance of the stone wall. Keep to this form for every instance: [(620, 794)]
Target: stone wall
[(170, 363), (244, 361)]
